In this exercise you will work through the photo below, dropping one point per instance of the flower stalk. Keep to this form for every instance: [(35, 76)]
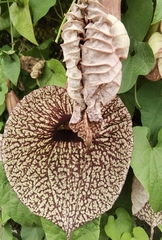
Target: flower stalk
[(113, 7)]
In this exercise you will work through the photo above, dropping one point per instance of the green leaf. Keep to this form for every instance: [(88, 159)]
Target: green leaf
[(54, 74), (147, 165), (4, 21), (150, 99), (139, 62), (12, 206), (3, 91), (52, 231), (116, 227), (39, 10), (139, 234), (11, 67), (158, 12), (2, 108), (41, 51), (160, 227), (6, 232), (126, 236), (90, 230), (5, 218), (129, 100), (3, 78), (138, 18), (46, 44), (21, 19), (9, 51), (29, 233)]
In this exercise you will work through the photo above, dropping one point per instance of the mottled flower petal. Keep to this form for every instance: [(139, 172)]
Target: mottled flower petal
[(46, 163)]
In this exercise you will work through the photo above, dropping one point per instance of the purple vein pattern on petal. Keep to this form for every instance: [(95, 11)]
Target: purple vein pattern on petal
[(46, 163)]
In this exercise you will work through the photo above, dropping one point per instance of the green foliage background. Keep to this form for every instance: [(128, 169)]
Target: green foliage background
[(30, 27)]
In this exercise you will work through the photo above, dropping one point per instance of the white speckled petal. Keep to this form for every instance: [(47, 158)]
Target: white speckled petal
[(46, 163)]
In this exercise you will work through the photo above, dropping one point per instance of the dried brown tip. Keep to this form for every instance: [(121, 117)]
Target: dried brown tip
[(32, 65), (154, 75)]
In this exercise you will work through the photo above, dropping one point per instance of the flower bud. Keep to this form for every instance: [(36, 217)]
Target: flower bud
[(155, 43), (11, 101)]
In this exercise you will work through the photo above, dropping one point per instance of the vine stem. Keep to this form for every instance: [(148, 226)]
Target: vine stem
[(135, 95), (11, 27), (63, 21), (61, 8), (9, 1), (57, 13)]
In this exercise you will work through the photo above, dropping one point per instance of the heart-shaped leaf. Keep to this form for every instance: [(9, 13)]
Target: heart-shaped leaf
[(48, 167), (147, 165), (139, 234), (21, 19), (116, 227), (126, 236), (139, 62)]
